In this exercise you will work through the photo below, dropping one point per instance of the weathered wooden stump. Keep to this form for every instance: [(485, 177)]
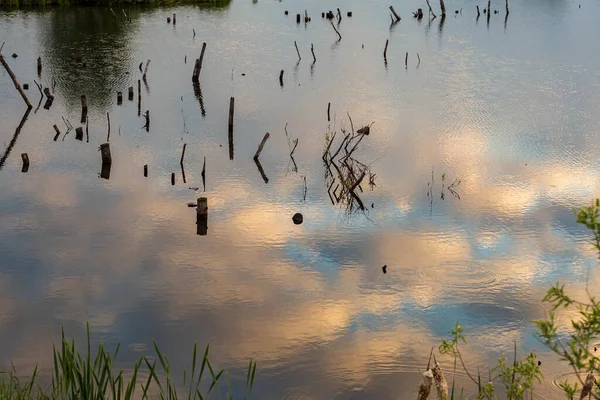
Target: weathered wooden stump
[(119, 98), (173, 178), (39, 66), (105, 153), (146, 171), (297, 18), (202, 216), (174, 19), (130, 93), (79, 133), (25, 159), (349, 13), (26, 86), (198, 64)]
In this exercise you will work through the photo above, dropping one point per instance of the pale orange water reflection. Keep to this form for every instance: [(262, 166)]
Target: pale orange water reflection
[(508, 111)]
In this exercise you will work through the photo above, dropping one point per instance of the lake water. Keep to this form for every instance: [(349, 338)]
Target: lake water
[(510, 109)]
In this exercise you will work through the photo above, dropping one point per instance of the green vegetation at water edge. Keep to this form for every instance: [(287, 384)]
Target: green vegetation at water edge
[(94, 377), (109, 3)]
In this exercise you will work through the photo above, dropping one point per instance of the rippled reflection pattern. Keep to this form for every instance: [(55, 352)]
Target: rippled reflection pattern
[(508, 110)]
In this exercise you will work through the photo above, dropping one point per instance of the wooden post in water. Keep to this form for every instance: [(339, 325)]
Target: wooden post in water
[(489, 10), (281, 78), (146, 171), (25, 159), (385, 50), (297, 51), (395, 14), (507, 7), (406, 60), (174, 18), (260, 146), (84, 108), (230, 126), (443, 7), (147, 116), (312, 50), (328, 109), (478, 13), (105, 153), (202, 216), (336, 31), (39, 66), (182, 154), (420, 14), (79, 133), (139, 97), (130, 93), (119, 98), (198, 64), (297, 18), (173, 178)]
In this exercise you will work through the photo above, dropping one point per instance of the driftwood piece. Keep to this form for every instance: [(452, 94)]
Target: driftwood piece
[(261, 145), (25, 158), (395, 14), (14, 79)]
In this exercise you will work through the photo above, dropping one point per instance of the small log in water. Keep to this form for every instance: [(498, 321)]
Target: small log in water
[(198, 64), (339, 15), (14, 79), (281, 78), (87, 130), (489, 10), (84, 109), (57, 133), (105, 153), (25, 159), (146, 171), (130, 93), (395, 14), (202, 216), (79, 133), (230, 127), (261, 145), (49, 98)]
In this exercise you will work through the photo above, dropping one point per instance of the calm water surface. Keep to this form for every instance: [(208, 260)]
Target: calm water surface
[(509, 109)]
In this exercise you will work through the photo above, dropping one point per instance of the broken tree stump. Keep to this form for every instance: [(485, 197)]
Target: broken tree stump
[(39, 66), (297, 18), (79, 133), (84, 108), (130, 93), (25, 159), (202, 216), (105, 153), (146, 171), (119, 98), (57, 133), (261, 145)]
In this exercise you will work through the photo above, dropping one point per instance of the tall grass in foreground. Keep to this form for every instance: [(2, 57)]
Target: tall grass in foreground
[(77, 376)]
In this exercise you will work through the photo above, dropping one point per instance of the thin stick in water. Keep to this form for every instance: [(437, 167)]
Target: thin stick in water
[(312, 49), (336, 31), (182, 154), (297, 51), (108, 119), (14, 79), (260, 146)]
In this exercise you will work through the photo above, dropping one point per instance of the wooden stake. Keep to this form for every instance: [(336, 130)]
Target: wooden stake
[(139, 97), (406, 60), (174, 18), (261, 145), (297, 51), (146, 70), (84, 109), (14, 79), (108, 119), (507, 7), (198, 64), (312, 49), (202, 216), (39, 66), (336, 31), (281, 78), (57, 133), (25, 159), (130, 94), (339, 14), (204, 174), (443, 7), (395, 14), (105, 153), (147, 116), (146, 171), (119, 98), (478, 13), (173, 178), (418, 58), (297, 18), (385, 50), (230, 127), (79, 133), (182, 154), (87, 130), (328, 109)]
